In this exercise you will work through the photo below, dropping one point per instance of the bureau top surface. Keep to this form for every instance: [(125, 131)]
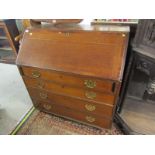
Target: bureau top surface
[(79, 27), (97, 51)]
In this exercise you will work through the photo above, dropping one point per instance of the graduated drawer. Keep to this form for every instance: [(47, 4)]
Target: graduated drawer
[(70, 102), (76, 36), (74, 115), (77, 81), (70, 91)]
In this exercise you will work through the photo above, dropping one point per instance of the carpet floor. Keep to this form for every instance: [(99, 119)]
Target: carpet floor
[(40, 123)]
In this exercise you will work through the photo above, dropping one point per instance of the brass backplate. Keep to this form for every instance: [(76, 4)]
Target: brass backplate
[(35, 74), (90, 107), (43, 95), (40, 84), (90, 83), (90, 94), (47, 106), (90, 119)]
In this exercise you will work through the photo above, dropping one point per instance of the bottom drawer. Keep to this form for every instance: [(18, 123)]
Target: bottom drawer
[(75, 115)]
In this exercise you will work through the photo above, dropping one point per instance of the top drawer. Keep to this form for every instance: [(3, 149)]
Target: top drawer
[(77, 81)]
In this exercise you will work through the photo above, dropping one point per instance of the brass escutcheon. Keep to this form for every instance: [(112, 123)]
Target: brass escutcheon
[(43, 95), (90, 119), (90, 94), (36, 74), (90, 83), (47, 106), (90, 107)]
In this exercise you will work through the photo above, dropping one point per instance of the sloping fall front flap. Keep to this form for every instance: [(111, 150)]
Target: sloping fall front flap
[(93, 53)]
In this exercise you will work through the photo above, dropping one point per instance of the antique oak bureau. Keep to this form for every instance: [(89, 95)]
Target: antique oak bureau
[(74, 71)]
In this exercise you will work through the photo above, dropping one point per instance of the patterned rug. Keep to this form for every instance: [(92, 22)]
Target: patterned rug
[(40, 123)]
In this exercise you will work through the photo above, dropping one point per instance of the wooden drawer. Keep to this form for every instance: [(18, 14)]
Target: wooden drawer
[(76, 81), (76, 37), (70, 91), (70, 102), (75, 115)]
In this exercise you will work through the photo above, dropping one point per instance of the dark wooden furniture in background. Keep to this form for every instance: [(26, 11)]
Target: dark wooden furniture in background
[(8, 46), (56, 21), (74, 71), (132, 23), (136, 108)]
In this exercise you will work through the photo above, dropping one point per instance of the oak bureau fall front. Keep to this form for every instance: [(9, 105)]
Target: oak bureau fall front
[(74, 71)]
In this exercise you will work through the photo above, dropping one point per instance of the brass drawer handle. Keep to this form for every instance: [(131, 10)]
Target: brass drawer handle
[(90, 83), (47, 106), (43, 95), (90, 94), (36, 74), (40, 84), (90, 107), (90, 119)]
